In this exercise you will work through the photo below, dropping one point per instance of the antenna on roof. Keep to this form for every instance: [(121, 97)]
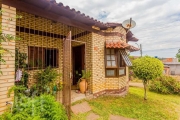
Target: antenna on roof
[(128, 24)]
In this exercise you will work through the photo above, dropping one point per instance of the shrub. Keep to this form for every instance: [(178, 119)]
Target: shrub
[(6, 116), (147, 68), (43, 107), (165, 85), (46, 80)]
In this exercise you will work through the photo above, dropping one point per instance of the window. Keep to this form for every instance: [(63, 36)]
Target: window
[(110, 57), (116, 61), (39, 57)]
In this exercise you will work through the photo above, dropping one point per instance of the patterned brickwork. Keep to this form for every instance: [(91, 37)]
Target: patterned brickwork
[(98, 72), (100, 83), (30, 39), (37, 40), (120, 30), (41, 24), (8, 69)]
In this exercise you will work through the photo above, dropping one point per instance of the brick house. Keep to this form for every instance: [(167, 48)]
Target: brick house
[(69, 41)]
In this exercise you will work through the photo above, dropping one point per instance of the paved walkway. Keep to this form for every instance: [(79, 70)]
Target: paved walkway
[(84, 107), (136, 84), (81, 108), (74, 96)]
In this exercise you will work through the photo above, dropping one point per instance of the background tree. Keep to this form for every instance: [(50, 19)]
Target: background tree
[(178, 55), (147, 68)]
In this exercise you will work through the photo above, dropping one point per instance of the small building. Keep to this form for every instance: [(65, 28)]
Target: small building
[(169, 59), (174, 67), (67, 40), (166, 70)]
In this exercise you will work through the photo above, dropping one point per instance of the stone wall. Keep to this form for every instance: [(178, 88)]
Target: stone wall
[(8, 69)]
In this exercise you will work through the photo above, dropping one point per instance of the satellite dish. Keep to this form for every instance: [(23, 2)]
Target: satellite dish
[(128, 24)]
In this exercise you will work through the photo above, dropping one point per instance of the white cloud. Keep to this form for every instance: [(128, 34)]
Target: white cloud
[(158, 22)]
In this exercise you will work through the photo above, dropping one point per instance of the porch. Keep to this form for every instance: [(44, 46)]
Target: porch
[(42, 41), (75, 96)]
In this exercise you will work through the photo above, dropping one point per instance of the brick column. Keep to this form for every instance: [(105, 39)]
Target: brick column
[(8, 69), (98, 68)]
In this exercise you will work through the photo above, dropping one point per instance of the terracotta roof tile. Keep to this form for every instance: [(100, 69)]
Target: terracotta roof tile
[(120, 44), (116, 44)]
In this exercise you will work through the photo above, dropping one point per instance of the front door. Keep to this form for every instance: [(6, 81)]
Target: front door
[(78, 62)]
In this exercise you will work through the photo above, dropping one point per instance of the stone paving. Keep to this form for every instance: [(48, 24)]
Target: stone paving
[(92, 116), (74, 96), (136, 84), (81, 108), (84, 107)]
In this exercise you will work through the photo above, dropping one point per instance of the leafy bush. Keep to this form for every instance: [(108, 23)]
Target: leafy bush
[(165, 85), (43, 107), (6, 116), (17, 89), (147, 68), (46, 80)]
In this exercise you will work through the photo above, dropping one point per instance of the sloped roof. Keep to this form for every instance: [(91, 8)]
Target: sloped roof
[(59, 12), (66, 11), (130, 37)]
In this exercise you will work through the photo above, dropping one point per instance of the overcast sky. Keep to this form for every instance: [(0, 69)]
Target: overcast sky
[(157, 21)]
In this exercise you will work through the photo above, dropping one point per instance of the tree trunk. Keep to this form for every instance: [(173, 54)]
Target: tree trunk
[(145, 86)]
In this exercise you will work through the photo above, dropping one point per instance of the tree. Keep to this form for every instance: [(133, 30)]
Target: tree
[(178, 55), (147, 68)]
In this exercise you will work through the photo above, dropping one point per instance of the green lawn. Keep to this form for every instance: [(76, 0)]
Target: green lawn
[(157, 107)]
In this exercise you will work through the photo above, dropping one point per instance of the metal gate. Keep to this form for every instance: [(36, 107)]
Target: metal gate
[(66, 99)]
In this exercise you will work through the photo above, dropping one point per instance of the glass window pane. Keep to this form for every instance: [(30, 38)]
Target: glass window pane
[(108, 57), (112, 57), (113, 63), (110, 72), (108, 63), (121, 71), (112, 51), (107, 51)]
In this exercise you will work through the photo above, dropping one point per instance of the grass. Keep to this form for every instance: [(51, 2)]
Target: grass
[(157, 107)]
